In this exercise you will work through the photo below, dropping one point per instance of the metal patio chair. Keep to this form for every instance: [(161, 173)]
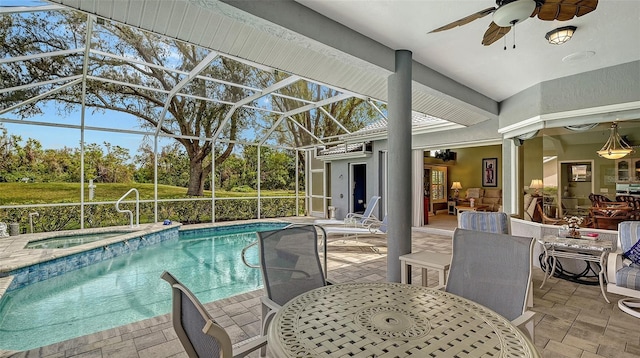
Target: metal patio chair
[(198, 332), (290, 266), (494, 270)]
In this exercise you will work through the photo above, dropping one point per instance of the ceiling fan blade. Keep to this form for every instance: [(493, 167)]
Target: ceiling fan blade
[(494, 33), (563, 10), (466, 20)]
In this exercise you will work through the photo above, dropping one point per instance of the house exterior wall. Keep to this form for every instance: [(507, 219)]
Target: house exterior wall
[(340, 182), (598, 96)]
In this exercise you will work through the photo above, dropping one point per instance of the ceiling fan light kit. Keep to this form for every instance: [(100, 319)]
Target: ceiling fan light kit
[(513, 12), (615, 147), (560, 35)]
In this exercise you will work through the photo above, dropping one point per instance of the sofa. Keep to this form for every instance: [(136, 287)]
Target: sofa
[(490, 197)]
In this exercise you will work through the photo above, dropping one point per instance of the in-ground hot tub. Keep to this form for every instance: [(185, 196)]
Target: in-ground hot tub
[(63, 242)]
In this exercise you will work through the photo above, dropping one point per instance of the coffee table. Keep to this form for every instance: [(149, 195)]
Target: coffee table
[(479, 207)]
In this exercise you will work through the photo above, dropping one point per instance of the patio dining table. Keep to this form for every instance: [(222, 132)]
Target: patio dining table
[(391, 320)]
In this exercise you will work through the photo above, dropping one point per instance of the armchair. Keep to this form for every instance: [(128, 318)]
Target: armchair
[(623, 273), (535, 212), (495, 222), (596, 199), (633, 202), (608, 217)]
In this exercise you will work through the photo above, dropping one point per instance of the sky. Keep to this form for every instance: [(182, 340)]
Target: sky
[(57, 138)]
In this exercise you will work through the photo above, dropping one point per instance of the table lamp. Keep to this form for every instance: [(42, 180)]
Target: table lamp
[(537, 185), (456, 186)]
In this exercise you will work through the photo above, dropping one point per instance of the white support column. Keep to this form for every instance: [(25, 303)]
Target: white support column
[(258, 181), (399, 133), (417, 188), (511, 185)]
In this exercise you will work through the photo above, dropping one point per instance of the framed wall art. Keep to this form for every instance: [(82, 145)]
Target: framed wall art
[(490, 172)]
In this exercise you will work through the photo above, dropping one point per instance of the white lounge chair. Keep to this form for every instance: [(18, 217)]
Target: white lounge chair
[(369, 227), (353, 219)]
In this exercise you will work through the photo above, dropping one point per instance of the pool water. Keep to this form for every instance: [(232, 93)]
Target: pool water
[(126, 289), (62, 242)]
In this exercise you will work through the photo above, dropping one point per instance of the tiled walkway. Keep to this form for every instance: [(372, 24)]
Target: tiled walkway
[(572, 320)]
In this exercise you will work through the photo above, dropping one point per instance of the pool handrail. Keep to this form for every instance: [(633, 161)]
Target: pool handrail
[(244, 258), (129, 211), (31, 215)]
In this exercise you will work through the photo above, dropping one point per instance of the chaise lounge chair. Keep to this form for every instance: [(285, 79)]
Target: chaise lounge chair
[(356, 220), (369, 227)]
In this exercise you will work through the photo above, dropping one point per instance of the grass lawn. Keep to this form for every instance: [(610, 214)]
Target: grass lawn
[(42, 193)]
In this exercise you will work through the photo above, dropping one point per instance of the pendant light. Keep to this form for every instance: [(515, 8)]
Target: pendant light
[(615, 147)]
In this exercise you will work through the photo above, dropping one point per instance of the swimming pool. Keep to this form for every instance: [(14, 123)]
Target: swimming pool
[(128, 288)]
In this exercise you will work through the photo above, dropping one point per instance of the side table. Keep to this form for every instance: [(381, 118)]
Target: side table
[(425, 260), (577, 249), (451, 206)]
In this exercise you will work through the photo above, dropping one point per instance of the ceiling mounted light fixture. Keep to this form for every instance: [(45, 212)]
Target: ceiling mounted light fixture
[(615, 147), (560, 35)]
